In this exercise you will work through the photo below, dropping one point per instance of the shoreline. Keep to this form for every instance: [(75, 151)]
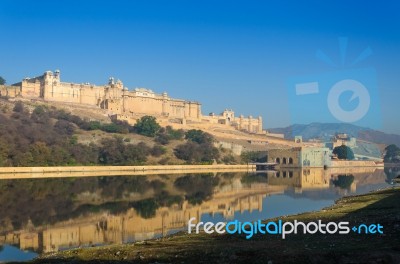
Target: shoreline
[(375, 207), (91, 171)]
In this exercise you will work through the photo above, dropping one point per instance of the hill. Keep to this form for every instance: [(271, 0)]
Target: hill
[(40, 134), (324, 131)]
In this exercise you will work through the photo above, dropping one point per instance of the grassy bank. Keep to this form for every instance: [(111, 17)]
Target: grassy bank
[(378, 207)]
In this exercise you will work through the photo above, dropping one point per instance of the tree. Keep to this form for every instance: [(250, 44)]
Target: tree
[(164, 135), (392, 153), (40, 115), (344, 152), (19, 107), (198, 149), (250, 156), (198, 136), (193, 152), (174, 134), (2, 81), (147, 126), (162, 138), (158, 150), (64, 127)]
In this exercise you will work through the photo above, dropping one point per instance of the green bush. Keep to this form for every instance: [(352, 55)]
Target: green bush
[(158, 150), (147, 126), (198, 136), (193, 152), (343, 152)]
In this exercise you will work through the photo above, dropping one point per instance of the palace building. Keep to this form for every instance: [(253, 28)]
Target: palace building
[(125, 104)]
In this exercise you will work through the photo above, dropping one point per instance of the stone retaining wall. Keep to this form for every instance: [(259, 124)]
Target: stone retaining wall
[(355, 163)]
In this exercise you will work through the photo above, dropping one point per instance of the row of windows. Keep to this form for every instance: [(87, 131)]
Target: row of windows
[(284, 160), (284, 174)]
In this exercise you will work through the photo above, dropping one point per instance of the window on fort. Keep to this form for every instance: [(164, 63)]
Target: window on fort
[(278, 160), (284, 160), (284, 174), (290, 174), (290, 161), (278, 174)]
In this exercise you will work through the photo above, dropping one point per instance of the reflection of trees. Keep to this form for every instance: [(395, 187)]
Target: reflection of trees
[(343, 181), (197, 187), (117, 186), (227, 175), (146, 208), (166, 199), (46, 201), (254, 178), (391, 173)]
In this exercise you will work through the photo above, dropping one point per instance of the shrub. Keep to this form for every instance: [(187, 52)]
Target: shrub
[(343, 152), (198, 136), (158, 150), (147, 126), (19, 107)]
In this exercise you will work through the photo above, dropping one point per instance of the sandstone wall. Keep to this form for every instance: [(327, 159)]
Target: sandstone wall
[(355, 163)]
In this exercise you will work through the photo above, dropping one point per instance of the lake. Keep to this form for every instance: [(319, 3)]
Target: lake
[(46, 215)]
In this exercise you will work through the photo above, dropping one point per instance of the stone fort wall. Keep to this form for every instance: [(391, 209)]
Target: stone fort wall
[(125, 104)]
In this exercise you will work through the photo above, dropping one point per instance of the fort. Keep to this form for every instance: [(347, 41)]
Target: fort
[(124, 104)]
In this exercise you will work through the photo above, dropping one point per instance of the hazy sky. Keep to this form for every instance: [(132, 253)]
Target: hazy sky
[(231, 54)]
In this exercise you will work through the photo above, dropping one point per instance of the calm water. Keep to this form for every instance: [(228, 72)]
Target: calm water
[(47, 215)]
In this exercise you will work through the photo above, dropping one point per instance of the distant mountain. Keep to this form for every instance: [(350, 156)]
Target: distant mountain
[(324, 131)]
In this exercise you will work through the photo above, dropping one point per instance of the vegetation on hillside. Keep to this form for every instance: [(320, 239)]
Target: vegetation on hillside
[(199, 148), (46, 136), (253, 156)]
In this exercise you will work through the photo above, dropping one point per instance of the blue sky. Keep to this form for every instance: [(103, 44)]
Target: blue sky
[(237, 54)]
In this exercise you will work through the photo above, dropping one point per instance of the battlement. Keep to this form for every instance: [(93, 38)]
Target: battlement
[(120, 101)]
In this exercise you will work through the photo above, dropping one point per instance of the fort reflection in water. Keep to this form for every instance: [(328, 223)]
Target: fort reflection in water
[(234, 193)]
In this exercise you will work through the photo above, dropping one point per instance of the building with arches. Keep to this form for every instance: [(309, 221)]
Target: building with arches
[(297, 157)]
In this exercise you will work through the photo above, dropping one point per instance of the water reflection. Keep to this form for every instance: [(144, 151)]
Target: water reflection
[(47, 215)]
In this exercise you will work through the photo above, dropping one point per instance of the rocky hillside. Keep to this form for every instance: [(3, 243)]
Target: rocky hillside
[(324, 131)]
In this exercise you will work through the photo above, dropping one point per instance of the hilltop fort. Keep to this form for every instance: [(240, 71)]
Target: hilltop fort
[(124, 104)]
